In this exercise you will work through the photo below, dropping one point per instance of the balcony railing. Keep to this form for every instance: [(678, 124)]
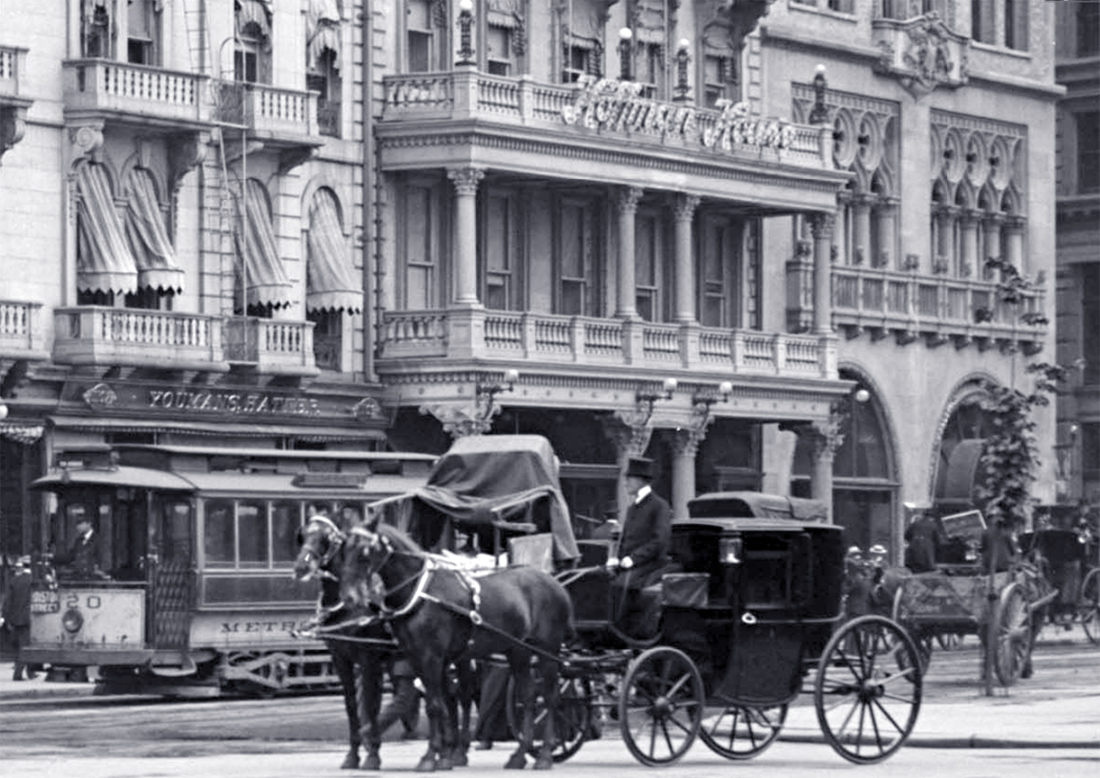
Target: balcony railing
[(95, 335), (12, 71), (938, 307), (581, 340), (271, 346), (266, 109), (583, 111), (21, 335), (102, 85)]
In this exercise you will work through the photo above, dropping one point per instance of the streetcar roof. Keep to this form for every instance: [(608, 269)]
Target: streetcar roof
[(140, 477), (276, 453)]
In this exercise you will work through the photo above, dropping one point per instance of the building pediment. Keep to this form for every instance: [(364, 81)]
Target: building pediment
[(922, 53)]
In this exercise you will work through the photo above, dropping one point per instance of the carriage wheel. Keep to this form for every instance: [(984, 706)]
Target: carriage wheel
[(1012, 628), (1089, 609), (572, 720), (737, 732), (921, 638), (661, 705), (868, 689)]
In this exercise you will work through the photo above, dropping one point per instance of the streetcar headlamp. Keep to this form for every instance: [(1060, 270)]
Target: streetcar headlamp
[(729, 550), (72, 621)]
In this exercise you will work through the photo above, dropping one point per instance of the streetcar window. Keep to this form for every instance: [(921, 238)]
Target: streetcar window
[(219, 536), (252, 533), (176, 542), (286, 517)]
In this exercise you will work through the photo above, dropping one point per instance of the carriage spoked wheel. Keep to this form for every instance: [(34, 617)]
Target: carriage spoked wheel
[(867, 693), (739, 732), (1013, 635), (572, 719), (661, 705), (1089, 609)]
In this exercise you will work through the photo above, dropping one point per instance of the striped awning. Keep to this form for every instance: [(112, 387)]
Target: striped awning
[(331, 284), (148, 238), (322, 30), (254, 12), (104, 260), (25, 432), (265, 278)]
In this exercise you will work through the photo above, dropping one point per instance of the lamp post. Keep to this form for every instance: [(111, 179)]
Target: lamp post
[(819, 114), (626, 54), (465, 27)]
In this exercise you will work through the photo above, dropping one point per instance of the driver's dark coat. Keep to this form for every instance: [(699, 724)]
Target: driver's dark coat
[(645, 539)]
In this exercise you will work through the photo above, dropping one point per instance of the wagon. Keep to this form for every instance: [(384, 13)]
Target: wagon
[(1064, 559), (752, 617)]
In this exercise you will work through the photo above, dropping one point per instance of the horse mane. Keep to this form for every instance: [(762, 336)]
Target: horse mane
[(398, 538)]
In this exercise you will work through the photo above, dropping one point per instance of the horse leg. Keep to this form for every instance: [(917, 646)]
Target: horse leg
[(345, 670), (370, 700), (521, 674), (433, 676), (467, 688), (548, 674)]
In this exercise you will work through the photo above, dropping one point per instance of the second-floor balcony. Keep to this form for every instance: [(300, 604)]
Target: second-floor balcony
[(939, 308), (100, 336), (271, 346), (584, 342), (280, 117), (21, 332), (135, 94)]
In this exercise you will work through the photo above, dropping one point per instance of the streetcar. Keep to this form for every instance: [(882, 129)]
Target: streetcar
[(188, 588)]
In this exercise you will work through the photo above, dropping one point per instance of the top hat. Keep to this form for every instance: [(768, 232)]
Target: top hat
[(640, 467)]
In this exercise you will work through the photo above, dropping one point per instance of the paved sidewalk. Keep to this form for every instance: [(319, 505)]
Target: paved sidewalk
[(1051, 710)]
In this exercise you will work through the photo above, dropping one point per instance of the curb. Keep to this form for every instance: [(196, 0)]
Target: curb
[(955, 742)]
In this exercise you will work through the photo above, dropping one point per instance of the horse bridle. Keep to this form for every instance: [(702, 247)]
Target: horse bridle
[(335, 538)]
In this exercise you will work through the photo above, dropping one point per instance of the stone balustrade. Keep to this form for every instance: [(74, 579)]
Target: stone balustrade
[(103, 85), (131, 337), (271, 346), (21, 333)]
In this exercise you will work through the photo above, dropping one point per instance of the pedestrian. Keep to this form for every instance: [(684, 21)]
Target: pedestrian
[(642, 552), (17, 615), (921, 539), (404, 705)]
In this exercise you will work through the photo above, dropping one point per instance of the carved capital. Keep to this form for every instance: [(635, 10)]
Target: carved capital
[(466, 179), (186, 152), (822, 225), (86, 140), (629, 434), (460, 421), (685, 207), (627, 199)]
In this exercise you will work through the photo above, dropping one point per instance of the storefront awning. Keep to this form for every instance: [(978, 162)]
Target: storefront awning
[(265, 279), (23, 432), (314, 433), (322, 30), (152, 249), (104, 260), (331, 284)]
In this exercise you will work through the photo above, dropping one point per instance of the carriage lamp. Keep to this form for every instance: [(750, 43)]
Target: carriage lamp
[(465, 26), (643, 401), (729, 550), (626, 54), (485, 394), (701, 403), (862, 395)]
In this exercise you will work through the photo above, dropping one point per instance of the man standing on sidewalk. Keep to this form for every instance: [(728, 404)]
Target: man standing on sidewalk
[(17, 615)]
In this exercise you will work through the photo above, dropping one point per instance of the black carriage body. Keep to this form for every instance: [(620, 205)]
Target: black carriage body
[(757, 598), (195, 552)]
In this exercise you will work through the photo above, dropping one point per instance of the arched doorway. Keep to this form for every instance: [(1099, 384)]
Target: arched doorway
[(865, 488)]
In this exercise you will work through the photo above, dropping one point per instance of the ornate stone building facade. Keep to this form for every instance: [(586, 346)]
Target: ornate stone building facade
[(745, 238)]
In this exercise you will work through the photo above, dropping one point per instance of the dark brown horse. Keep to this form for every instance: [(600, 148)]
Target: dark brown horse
[(441, 614), (357, 652)]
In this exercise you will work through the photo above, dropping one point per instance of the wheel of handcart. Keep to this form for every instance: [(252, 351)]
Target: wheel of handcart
[(868, 689), (922, 639), (739, 732), (572, 720), (1089, 609), (1012, 634), (661, 705)]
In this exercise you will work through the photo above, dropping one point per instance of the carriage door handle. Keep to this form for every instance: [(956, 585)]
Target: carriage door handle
[(748, 619)]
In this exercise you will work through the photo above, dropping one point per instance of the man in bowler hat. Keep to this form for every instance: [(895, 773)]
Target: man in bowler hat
[(81, 559), (643, 550)]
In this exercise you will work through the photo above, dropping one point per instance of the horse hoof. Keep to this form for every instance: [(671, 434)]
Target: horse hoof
[(426, 765), (460, 759), (372, 762), (444, 763), (543, 763), (351, 762), (516, 761)]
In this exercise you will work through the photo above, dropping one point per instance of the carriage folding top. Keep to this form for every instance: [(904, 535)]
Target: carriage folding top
[(491, 487)]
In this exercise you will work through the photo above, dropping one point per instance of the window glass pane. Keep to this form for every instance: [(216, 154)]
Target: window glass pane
[(572, 298), (1088, 152), (496, 294), (420, 52), (499, 47), (497, 238), (418, 296), (252, 533), (645, 260), (175, 541), (572, 242), (219, 537), (418, 15), (286, 517)]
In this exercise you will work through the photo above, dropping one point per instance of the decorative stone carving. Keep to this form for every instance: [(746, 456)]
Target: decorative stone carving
[(922, 53), (12, 126), (86, 140), (100, 396)]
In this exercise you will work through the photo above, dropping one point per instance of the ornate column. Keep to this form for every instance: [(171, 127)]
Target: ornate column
[(826, 436), (685, 275), (841, 238), (821, 224), (465, 181), (969, 221), (862, 251), (992, 227), (945, 231), (885, 216), (627, 204), (631, 438), (1014, 245)]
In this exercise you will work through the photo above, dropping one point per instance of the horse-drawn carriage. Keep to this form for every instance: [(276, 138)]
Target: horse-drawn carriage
[(751, 617), (1071, 567)]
